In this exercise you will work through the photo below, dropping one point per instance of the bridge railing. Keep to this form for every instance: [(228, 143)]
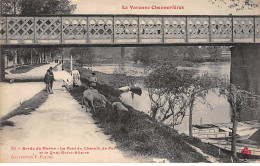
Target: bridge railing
[(128, 29)]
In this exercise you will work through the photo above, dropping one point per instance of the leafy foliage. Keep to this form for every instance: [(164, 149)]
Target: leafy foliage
[(239, 100), (83, 55), (150, 55), (37, 7), (7, 7), (238, 5), (25, 53), (172, 92)]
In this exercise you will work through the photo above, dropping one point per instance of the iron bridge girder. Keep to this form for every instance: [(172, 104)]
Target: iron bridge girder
[(116, 30)]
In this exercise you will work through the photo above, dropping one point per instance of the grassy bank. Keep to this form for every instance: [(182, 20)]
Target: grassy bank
[(138, 133), (25, 108)]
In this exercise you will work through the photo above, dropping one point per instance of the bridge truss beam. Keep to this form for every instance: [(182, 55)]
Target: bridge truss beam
[(128, 30)]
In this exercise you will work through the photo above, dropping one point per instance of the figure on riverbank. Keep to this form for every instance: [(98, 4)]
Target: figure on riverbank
[(76, 77), (51, 79), (246, 152), (67, 80), (93, 80), (47, 80)]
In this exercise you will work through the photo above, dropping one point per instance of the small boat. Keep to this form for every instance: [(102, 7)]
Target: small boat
[(206, 130), (204, 126), (226, 145), (219, 135), (223, 130)]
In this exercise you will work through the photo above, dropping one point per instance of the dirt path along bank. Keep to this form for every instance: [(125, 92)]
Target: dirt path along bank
[(59, 128)]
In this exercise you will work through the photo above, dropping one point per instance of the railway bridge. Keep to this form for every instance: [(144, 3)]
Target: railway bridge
[(240, 32)]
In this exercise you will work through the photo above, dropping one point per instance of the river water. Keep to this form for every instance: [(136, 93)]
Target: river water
[(201, 115)]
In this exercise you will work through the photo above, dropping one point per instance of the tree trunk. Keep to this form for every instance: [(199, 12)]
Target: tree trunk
[(44, 57), (7, 62), (50, 57), (233, 96), (234, 140), (62, 67), (31, 57), (21, 62), (2, 71), (71, 63), (15, 60), (40, 58), (173, 122), (190, 116), (122, 52)]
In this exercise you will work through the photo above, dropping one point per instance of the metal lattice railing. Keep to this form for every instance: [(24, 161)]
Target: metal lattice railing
[(126, 29)]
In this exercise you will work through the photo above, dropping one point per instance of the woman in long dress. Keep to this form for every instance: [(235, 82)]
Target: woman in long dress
[(76, 77)]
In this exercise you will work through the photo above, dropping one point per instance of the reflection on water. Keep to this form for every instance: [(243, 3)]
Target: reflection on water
[(219, 114), (129, 69), (221, 68)]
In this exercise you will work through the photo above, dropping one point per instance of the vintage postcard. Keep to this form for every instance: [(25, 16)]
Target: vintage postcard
[(130, 81)]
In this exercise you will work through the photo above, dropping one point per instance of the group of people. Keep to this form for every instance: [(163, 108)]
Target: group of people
[(49, 79)]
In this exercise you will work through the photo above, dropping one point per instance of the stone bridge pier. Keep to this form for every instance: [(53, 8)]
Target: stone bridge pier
[(245, 66), (245, 71), (2, 68)]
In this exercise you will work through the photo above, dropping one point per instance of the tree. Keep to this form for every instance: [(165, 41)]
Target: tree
[(239, 100), (238, 5), (215, 52), (83, 55), (150, 55), (173, 92), (193, 54), (8, 7), (164, 88), (199, 87), (144, 55), (7, 52), (37, 7), (28, 7)]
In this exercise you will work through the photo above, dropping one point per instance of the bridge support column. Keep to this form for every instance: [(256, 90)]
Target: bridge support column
[(245, 71), (245, 66), (2, 70)]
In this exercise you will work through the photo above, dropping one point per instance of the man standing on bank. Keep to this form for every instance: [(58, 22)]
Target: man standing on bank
[(47, 79), (93, 81)]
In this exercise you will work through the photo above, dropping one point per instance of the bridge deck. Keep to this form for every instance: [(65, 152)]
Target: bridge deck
[(128, 29)]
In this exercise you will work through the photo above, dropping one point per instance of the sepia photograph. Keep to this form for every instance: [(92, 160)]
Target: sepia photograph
[(130, 81)]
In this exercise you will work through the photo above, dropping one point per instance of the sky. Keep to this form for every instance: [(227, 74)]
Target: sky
[(191, 7)]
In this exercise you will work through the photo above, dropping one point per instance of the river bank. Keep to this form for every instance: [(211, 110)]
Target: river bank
[(137, 132), (203, 115)]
